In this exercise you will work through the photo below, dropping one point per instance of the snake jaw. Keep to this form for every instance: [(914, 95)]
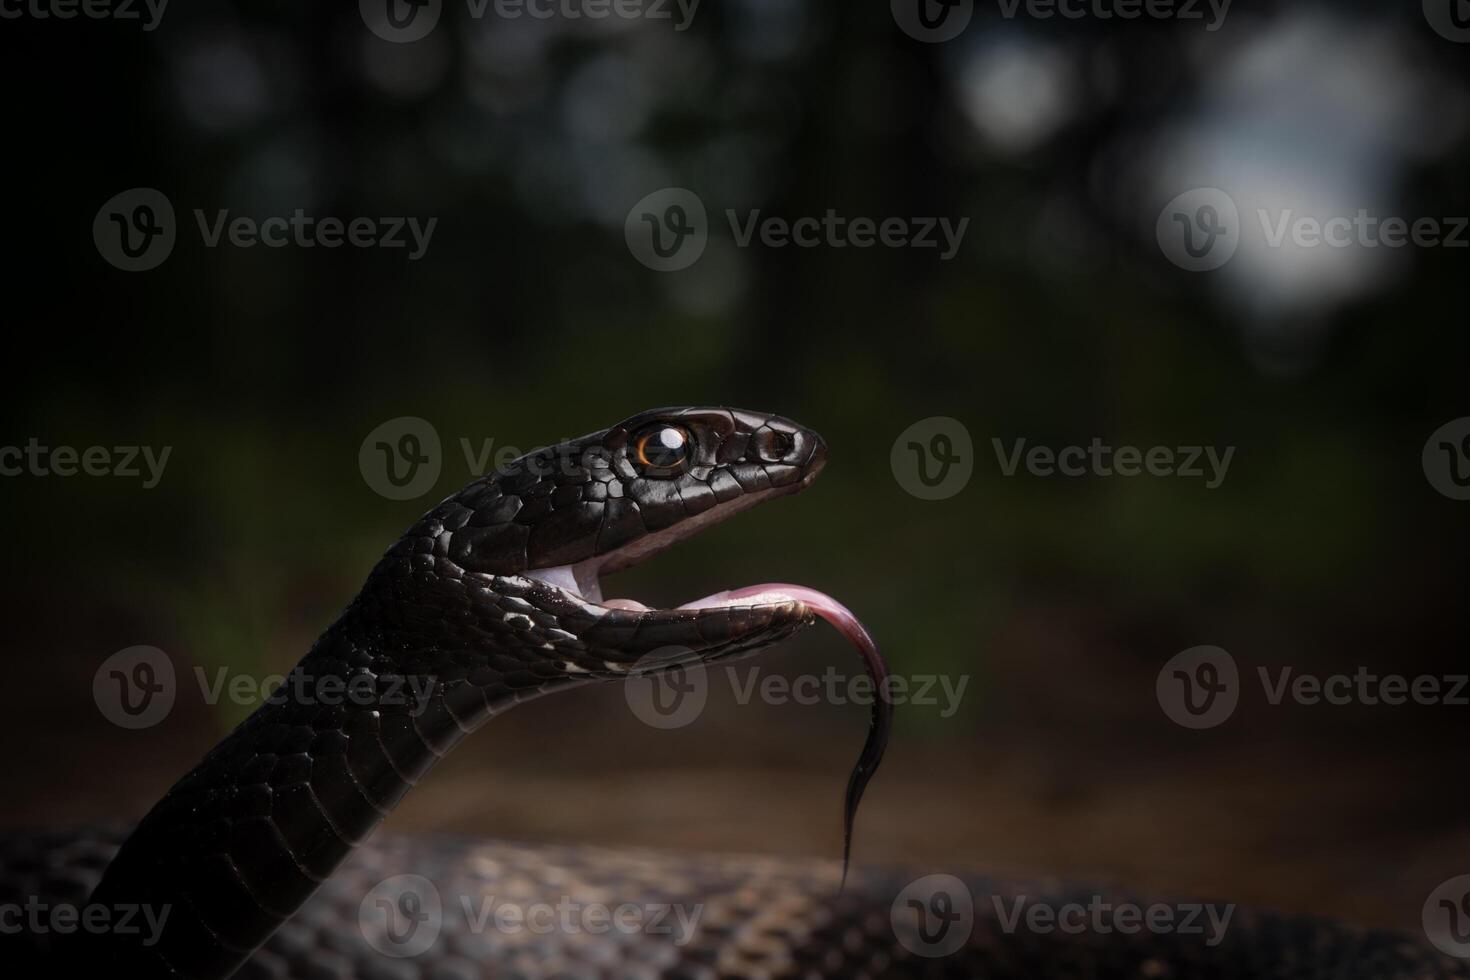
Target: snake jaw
[(615, 641)]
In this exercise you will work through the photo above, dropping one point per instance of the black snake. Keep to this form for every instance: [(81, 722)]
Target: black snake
[(261, 854)]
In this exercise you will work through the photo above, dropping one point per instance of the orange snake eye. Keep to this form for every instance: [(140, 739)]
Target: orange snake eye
[(663, 447)]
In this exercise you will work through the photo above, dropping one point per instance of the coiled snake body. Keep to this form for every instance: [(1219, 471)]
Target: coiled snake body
[(261, 854)]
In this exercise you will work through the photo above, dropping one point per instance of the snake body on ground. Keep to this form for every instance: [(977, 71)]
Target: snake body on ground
[(264, 854)]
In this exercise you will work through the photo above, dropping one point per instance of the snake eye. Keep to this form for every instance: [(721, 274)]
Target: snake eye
[(663, 447)]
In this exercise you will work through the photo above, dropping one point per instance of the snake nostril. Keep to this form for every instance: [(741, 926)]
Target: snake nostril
[(818, 457)]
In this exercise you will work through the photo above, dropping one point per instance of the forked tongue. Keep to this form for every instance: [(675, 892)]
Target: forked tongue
[(847, 624)]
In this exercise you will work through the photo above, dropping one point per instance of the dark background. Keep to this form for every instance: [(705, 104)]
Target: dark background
[(528, 320)]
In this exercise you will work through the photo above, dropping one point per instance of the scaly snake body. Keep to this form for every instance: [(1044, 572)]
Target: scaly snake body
[(262, 855)]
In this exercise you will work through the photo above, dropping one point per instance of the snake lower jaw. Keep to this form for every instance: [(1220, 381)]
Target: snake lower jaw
[(666, 638)]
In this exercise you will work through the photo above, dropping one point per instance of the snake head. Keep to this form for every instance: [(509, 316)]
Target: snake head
[(533, 539), (502, 581)]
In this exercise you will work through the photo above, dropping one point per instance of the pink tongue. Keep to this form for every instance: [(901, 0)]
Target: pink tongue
[(848, 625), (820, 603)]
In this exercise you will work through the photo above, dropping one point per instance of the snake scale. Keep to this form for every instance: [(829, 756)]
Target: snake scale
[(264, 854)]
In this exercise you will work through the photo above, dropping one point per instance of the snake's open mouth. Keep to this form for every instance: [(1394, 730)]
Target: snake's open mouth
[(584, 579)]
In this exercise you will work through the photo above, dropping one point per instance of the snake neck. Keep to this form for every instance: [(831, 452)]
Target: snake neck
[(245, 838)]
